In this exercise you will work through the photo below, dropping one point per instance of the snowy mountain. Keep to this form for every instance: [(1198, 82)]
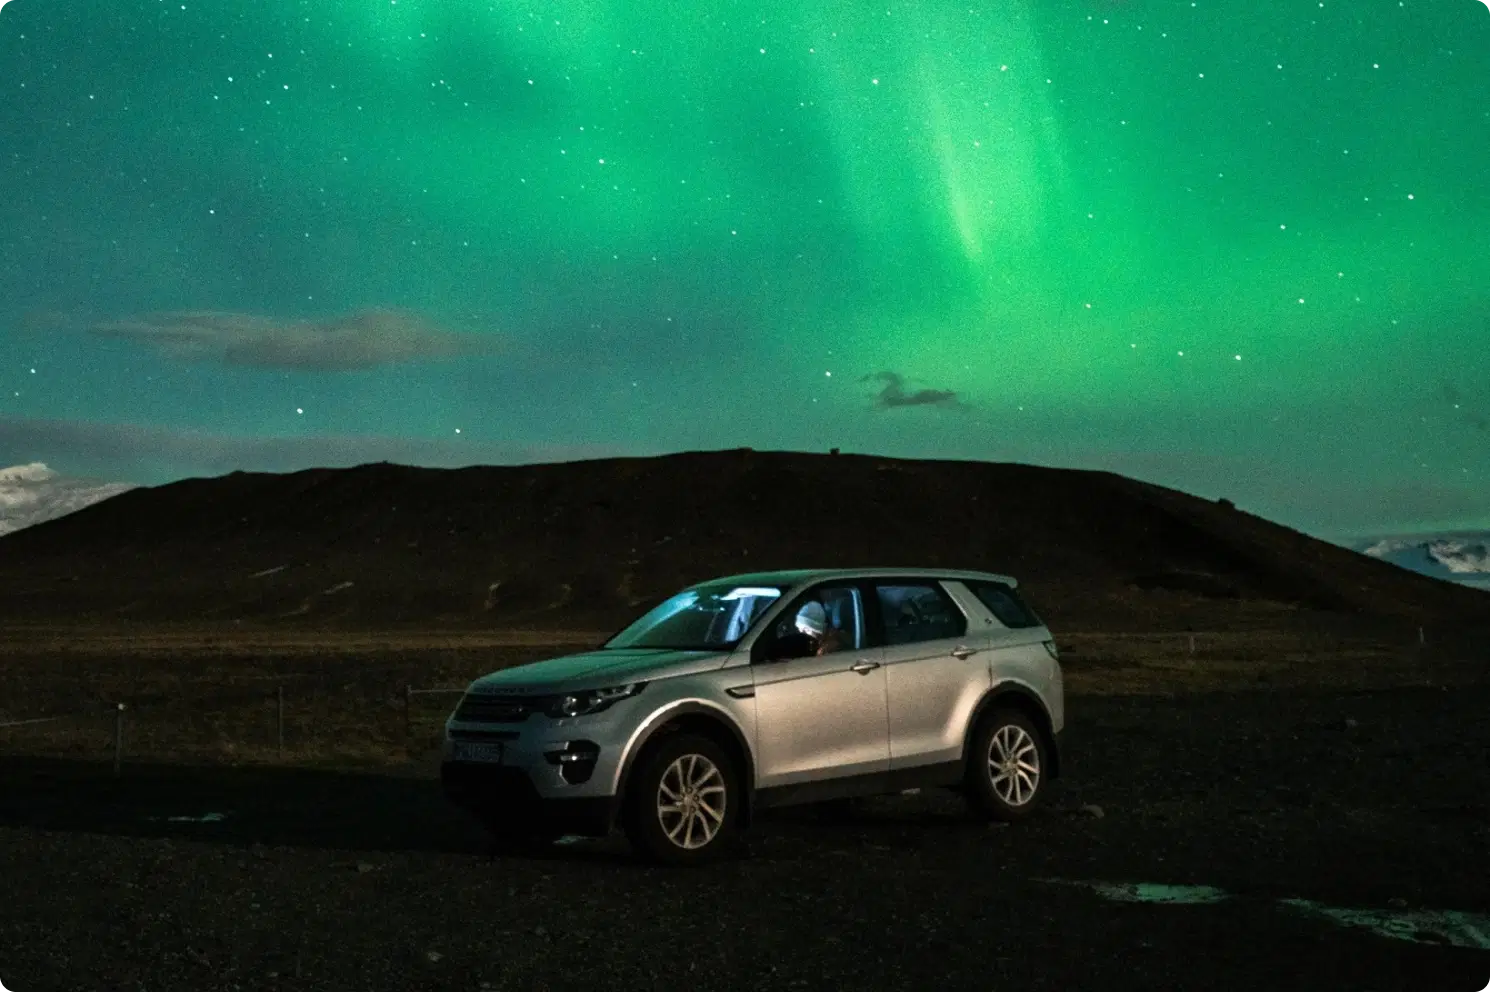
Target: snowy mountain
[(32, 493), (1462, 557)]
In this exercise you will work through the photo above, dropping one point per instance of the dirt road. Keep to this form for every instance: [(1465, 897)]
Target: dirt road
[(1293, 809)]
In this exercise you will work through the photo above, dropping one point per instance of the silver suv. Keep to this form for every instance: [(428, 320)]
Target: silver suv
[(768, 689)]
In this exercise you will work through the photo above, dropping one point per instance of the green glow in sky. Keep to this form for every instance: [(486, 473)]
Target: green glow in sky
[(1237, 249)]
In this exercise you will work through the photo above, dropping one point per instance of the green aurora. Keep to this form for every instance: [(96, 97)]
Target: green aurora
[(1239, 250)]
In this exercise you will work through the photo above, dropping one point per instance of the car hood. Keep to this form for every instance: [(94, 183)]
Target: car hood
[(599, 669)]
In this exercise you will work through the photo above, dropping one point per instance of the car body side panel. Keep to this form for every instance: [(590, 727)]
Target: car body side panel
[(932, 691), (1055, 697), (932, 695), (1015, 654), (817, 718), (1020, 656), (1014, 657), (736, 713)]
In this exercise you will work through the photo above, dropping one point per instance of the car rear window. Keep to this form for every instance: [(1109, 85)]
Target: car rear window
[(914, 613), (1005, 604)]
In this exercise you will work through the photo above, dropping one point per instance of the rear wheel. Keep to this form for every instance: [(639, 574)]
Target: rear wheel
[(1007, 766), (683, 800)]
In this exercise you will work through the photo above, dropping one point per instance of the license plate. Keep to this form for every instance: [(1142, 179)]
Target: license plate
[(479, 752)]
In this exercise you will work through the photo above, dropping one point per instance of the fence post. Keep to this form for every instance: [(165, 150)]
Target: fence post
[(118, 736), (279, 708), (408, 719), (1192, 644)]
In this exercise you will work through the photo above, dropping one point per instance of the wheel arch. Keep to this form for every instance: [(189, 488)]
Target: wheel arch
[(1017, 696), (698, 717)]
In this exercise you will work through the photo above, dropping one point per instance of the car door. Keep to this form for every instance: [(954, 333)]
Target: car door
[(822, 716), (935, 672), (1014, 634)]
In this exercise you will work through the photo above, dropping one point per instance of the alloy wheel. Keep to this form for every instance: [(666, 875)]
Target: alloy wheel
[(1013, 764), (691, 801)]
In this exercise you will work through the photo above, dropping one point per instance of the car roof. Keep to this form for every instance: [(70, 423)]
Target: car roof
[(791, 578)]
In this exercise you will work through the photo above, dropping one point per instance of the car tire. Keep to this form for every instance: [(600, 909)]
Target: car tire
[(1007, 767), (683, 801)]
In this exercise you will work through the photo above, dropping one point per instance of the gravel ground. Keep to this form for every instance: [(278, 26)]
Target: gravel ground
[(323, 880)]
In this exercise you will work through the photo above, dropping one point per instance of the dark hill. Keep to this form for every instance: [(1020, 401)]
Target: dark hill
[(586, 543)]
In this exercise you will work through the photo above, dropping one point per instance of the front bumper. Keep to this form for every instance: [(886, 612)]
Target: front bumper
[(529, 743), (506, 794)]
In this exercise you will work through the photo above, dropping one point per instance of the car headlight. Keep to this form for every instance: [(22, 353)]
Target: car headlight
[(592, 700)]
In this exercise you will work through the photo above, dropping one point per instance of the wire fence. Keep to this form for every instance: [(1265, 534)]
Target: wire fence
[(410, 692), (118, 716), (152, 706), (310, 709)]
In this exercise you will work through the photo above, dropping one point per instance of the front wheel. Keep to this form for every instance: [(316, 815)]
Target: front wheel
[(1006, 766), (683, 801)]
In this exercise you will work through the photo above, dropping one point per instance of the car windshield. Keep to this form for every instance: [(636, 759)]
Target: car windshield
[(705, 618)]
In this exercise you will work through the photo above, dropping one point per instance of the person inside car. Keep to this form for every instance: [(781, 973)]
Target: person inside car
[(812, 620)]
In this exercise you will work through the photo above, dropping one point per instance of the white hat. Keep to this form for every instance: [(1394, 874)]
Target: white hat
[(812, 620)]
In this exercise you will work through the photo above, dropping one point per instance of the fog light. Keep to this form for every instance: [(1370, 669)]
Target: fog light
[(576, 760)]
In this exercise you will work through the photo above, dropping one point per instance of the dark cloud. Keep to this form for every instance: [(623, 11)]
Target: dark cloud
[(361, 340), (893, 393)]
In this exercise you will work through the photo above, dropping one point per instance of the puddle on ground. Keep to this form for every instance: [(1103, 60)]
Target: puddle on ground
[(1422, 926), (1183, 895), (1151, 892)]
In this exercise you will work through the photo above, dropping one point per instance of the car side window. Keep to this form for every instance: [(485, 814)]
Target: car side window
[(1005, 604), (913, 612), (825, 620)]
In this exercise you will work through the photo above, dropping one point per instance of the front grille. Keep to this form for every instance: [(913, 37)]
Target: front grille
[(484, 735), (484, 707)]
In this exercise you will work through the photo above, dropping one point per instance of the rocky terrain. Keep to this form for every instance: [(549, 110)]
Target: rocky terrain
[(1274, 756), (1305, 840)]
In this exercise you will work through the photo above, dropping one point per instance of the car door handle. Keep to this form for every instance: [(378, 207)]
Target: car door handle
[(961, 652), (864, 667)]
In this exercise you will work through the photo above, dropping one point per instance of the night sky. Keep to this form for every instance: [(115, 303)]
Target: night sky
[(1240, 249)]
